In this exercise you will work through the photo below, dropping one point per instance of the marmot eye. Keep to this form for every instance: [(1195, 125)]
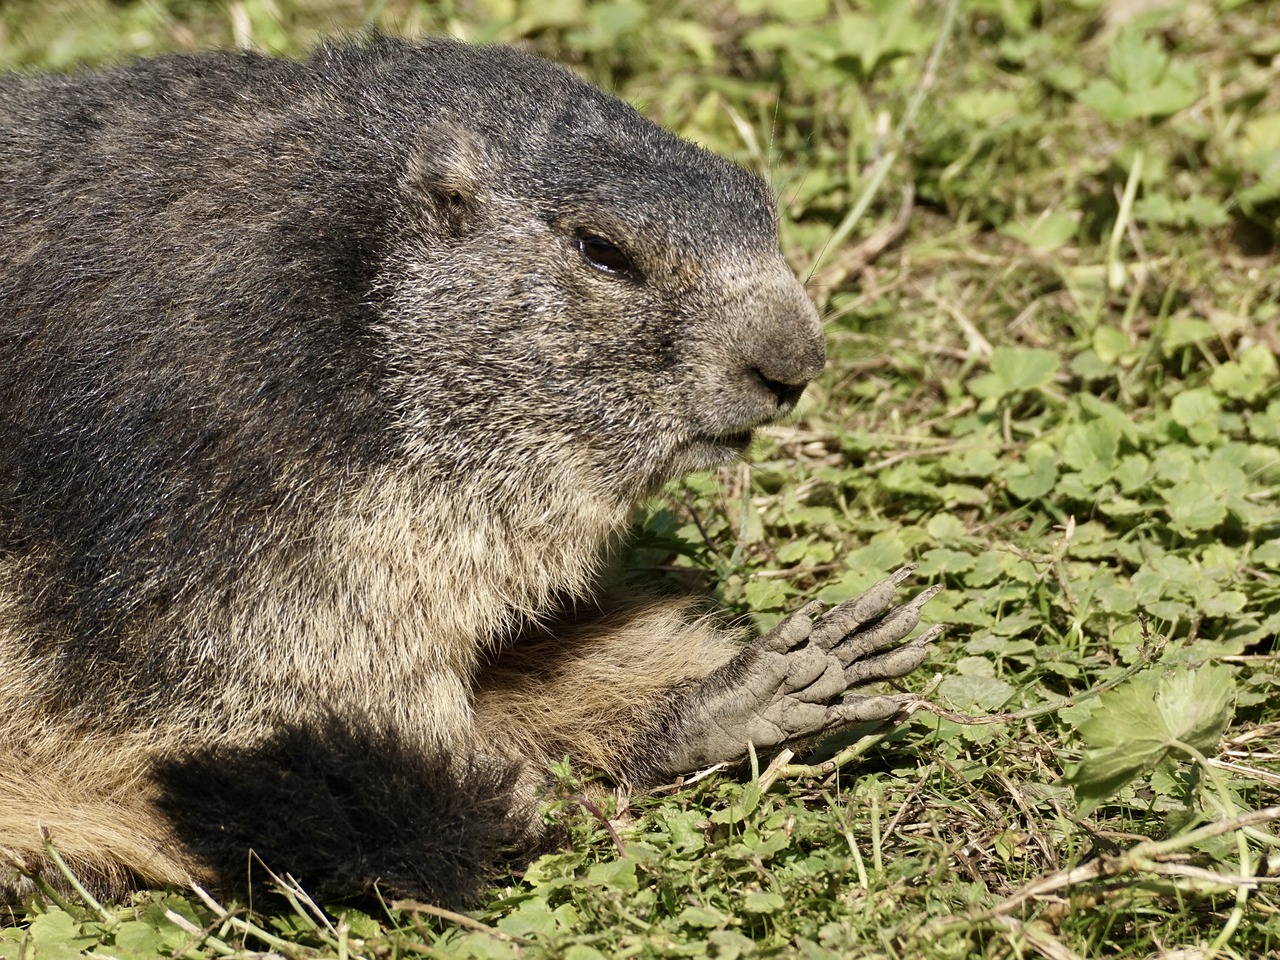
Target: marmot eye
[(603, 255)]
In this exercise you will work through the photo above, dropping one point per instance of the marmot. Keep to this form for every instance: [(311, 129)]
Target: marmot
[(327, 387)]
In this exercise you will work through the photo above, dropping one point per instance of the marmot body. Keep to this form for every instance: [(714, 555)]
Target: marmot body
[(325, 388)]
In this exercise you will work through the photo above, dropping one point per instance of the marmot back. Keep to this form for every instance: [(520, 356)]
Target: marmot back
[(328, 386)]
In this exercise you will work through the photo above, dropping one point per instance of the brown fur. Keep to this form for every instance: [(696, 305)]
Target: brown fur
[(585, 690), (415, 565), (93, 799)]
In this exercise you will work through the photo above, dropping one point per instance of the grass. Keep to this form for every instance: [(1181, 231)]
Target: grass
[(1044, 235)]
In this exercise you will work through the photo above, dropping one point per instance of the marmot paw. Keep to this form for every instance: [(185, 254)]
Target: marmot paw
[(794, 682)]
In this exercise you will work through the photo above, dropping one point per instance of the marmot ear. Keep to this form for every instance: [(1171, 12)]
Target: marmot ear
[(445, 177)]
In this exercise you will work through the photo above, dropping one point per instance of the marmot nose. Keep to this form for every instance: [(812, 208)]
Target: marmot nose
[(778, 340), (788, 357), (786, 394)]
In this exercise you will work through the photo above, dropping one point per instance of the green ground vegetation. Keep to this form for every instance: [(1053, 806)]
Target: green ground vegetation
[(1044, 236)]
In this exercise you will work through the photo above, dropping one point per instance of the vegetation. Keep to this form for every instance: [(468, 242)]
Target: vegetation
[(1044, 235)]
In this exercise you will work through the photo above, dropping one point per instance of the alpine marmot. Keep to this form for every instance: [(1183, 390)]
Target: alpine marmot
[(327, 388)]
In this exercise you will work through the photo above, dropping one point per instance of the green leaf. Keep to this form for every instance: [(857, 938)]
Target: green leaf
[(882, 554), (1088, 365), (764, 594), (1144, 81), (705, 917), (1126, 736), (975, 692), (1195, 506), (906, 478), (1111, 344), (58, 936), (967, 494), (1267, 555), (360, 923), (869, 42), (532, 917), (975, 667), (619, 874), (759, 902), (1132, 473), (795, 551), (985, 106), (945, 528), (1137, 725), (1175, 463), (1035, 475), (1198, 211), (1248, 377), (136, 938), (986, 568), (1046, 232), (943, 560), (1091, 448), (981, 462), (797, 10), (1260, 136), (730, 945), (1181, 331), (1197, 412), (1197, 705), (1121, 420), (1192, 407), (847, 587), (1014, 370)]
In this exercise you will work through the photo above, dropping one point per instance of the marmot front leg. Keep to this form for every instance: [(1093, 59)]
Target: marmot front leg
[(793, 682)]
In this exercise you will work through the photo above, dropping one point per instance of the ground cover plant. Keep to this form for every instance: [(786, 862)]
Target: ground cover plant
[(1044, 235)]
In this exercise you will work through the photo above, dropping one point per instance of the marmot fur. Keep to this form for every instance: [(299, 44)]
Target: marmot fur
[(325, 388)]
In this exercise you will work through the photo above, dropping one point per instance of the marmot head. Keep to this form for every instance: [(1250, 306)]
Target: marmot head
[(567, 275)]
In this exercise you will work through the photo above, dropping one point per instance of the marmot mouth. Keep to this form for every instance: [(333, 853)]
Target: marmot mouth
[(738, 440)]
